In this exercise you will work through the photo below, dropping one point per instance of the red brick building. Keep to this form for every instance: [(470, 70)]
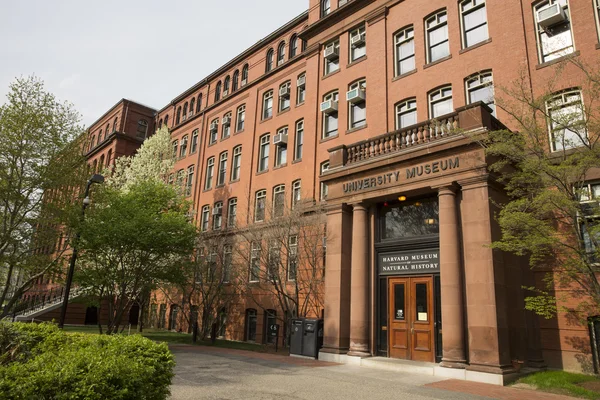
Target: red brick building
[(336, 106)]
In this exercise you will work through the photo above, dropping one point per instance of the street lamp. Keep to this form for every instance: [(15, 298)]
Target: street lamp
[(96, 178)]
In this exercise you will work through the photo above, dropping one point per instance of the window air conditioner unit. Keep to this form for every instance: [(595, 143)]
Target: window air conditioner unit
[(331, 52), (216, 211), (342, 2), (329, 106), (356, 95), (284, 91), (280, 139), (357, 40), (227, 120), (225, 92), (551, 15), (301, 81), (244, 82), (214, 126)]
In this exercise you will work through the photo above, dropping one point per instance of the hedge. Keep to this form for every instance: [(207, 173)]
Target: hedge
[(43, 362)]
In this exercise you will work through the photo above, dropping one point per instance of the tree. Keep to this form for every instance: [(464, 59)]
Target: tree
[(552, 211), (130, 241), (40, 164)]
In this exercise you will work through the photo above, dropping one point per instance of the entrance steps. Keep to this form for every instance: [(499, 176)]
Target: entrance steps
[(418, 367)]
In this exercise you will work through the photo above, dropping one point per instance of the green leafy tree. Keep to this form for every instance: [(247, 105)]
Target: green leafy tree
[(40, 164), (549, 168)]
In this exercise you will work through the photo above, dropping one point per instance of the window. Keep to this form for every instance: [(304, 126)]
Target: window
[(171, 179), (232, 213), (222, 169), (281, 147), (293, 46), (235, 81), (358, 43), (214, 131), (237, 163), (589, 219), (292, 264), (269, 60), (109, 158), (108, 128), (330, 115), (273, 262), (227, 262), (241, 118), (268, 104), (301, 89), (480, 87), (192, 105), (332, 57), (597, 14), (226, 83), (210, 170), (299, 140), (205, 218), (325, 8), (142, 129), (324, 187), (226, 130), (245, 75), (92, 142), (405, 51), (218, 92), (474, 22), (174, 146), (438, 46), (190, 180), (263, 161), (199, 104), (115, 125), (167, 121), (180, 177), (194, 146), (406, 113), (554, 38), (178, 118), (357, 104), (278, 201), (281, 53), (255, 263), (440, 102), (259, 206), (285, 92), (296, 192), (183, 147), (566, 121), (217, 215), (185, 111), (410, 219)]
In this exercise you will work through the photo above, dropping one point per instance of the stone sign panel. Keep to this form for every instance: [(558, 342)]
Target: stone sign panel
[(409, 262)]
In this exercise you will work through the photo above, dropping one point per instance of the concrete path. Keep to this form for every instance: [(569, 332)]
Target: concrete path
[(215, 373)]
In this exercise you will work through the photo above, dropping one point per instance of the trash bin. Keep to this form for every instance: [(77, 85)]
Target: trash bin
[(296, 336), (312, 337)]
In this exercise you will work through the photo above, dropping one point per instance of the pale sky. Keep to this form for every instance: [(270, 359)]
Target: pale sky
[(93, 53)]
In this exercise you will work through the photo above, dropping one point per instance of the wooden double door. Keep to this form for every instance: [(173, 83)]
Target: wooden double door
[(411, 318)]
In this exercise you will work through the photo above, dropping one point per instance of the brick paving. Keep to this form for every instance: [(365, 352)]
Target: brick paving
[(495, 392)]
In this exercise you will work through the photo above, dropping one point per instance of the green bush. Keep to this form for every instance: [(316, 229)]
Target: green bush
[(76, 366)]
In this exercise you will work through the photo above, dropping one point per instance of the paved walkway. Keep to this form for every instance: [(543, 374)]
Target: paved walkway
[(216, 373)]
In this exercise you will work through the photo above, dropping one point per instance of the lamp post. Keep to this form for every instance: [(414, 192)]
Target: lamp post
[(96, 178)]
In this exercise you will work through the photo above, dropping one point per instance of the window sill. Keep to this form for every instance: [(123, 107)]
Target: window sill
[(225, 138), (357, 61), (262, 172), (280, 166), (206, 190), (358, 128), (297, 161), (234, 181), (467, 49), (238, 132), (327, 139), (220, 186), (266, 119), (441, 60), (404, 75), (283, 111), (299, 104), (337, 71), (212, 144), (557, 60)]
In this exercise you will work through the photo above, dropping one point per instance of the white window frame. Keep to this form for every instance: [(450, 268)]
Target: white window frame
[(240, 118), (260, 198), (213, 133), (278, 195), (194, 144), (324, 190), (264, 145), (281, 149), (301, 91), (190, 180), (481, 80), (437, 23), (254, 272), (236, 164), (226, 130), (205, 221), (267, 111), (335, 97), (597, 16), (232, 212), (283, 100), (328, 63), (217, 217), (475, 6), (441, 99), (210, 171), (292, 257), (405, 107), (539, 31), (183, 147), (222, 172), (299, 140), (561, 101), (351, 123), (296, 192), (358, 31), (406, 35)]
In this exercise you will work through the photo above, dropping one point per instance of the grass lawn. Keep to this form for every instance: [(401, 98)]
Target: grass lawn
[(184, 338), (568, 383)]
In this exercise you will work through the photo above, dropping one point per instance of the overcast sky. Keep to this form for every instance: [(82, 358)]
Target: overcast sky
[(93, 53)]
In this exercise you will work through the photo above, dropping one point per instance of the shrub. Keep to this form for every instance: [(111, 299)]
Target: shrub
[(78, 366)]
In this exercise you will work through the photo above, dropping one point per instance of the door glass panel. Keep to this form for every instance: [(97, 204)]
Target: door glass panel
[(421, 302), (399, 313)]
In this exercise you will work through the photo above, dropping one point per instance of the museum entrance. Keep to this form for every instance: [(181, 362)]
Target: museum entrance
[(411, 318)]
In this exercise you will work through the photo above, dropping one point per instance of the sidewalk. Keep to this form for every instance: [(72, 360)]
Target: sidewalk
[(495, 392)]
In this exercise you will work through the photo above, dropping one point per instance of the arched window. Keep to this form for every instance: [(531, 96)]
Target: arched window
[(185, 110), (325, 8), (107, 128), (142, 128), (178, 117), (236, 78), (281, 53), (199, 104), (245, 75), (270, 319), (269, 65), (109, 158), (160, 123), (115, 125), (92, 142), (250, 325), (101, 163), (218, 92), (192, 105), (167, 120), (293, 46), (100, 135), (226, 86)]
